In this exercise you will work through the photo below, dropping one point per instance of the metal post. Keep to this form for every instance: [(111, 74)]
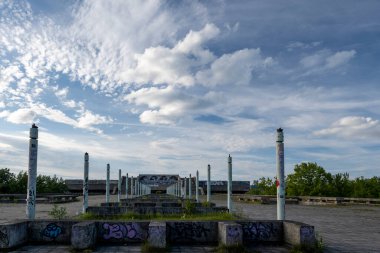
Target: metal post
[(32, 173), (229, 193), (108, 184), (280, 183), (190, 193), (208, 183), (197, 187), (119, 187), (126, 187), (85, 183), (185, 188)]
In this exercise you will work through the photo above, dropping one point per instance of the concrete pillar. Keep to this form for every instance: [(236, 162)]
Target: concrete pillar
[(190, 193), (185, 188), (208, 183), (229, 186), (108, 184), (132, 187), (126, 187), (85, 183), (197, 187), (119, 187), (280, 183), (32, 173)]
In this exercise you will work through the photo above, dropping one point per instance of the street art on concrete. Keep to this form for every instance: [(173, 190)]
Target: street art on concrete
[(52, 231), (130, 231)]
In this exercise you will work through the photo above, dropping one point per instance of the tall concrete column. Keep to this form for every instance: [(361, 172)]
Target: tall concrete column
[(32, 173), (229, 189), (197, 187), (108, 184), (132, 187), (126, 187), (190, 193), (185, 188), (85, 183), (208, 183), (280, 183), (119, 187)]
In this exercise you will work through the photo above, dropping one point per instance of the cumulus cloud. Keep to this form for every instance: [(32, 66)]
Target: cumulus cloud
[(354, 127)]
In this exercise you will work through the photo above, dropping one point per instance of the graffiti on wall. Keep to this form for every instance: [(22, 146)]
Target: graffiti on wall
[(189, 231), (121, 231), (307, 233), (259, 231), (156, 180), (52, 231), (4, 238), (233, 232)]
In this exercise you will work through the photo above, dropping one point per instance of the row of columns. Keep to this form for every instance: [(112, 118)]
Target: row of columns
[(141, 189)]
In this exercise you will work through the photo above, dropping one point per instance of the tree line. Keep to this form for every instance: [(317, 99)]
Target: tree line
[(310, 179), (12, 183)]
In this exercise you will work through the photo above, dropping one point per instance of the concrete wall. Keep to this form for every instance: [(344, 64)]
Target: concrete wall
[(122, 232), (50, 231), (185, 232), (262, 231), (298, 233), (13, 234)]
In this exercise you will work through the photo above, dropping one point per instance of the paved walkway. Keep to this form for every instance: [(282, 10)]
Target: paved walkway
[(344, 229)]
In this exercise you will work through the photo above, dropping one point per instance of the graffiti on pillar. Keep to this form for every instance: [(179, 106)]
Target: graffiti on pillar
[(188, 231), (260, 231), (157, 180), (233, 232), (52, 231), (307, 233), (4, 241), (121, 231), (31, 197)]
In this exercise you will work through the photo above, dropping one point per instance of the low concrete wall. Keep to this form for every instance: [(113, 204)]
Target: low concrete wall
[(262, 231), (187, 232), (13, 234), (122, 232), (50, 231), (296, 233), (87, 234)]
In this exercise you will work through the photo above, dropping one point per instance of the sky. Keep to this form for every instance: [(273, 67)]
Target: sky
[(172, 86)]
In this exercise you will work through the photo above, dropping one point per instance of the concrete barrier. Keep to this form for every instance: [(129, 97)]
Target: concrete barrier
[(157, 234), (188, 232), (83, 235), (13, 234), (297, 233), (230, 233)]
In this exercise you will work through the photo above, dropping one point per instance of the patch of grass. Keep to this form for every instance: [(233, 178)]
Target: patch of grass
[(318, 247), (147, 248), (134, 216), (58, 212), (231, 249)]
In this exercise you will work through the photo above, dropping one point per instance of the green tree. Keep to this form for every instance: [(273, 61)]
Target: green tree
[(309, 179), (341, 186), (264, 186), (7, 181)]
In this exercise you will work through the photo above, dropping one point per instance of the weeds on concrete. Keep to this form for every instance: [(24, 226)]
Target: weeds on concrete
[(231, 249), (134, 216), (318, 247), (58, 212), (147, 248)]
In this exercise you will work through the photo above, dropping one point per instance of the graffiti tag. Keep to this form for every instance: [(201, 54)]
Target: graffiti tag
[(4, 238), (188, 230), (121, 231), (52, 231), (259, 231), (233, 232)]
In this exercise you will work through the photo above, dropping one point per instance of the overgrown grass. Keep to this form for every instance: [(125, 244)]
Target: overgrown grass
[(231, 249), (318, 247), (147, 248), (135, 216)]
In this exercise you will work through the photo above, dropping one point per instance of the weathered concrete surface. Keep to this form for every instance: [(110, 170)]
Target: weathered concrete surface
[(157, 234), (230, 233), (50, 231), (181, 232), (342, 228), (83, 235), (296, 233), (122, 232), (262, 231), (13, 234)]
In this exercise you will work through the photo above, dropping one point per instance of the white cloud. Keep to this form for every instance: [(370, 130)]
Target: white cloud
[(339, 58), (353, 127)]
